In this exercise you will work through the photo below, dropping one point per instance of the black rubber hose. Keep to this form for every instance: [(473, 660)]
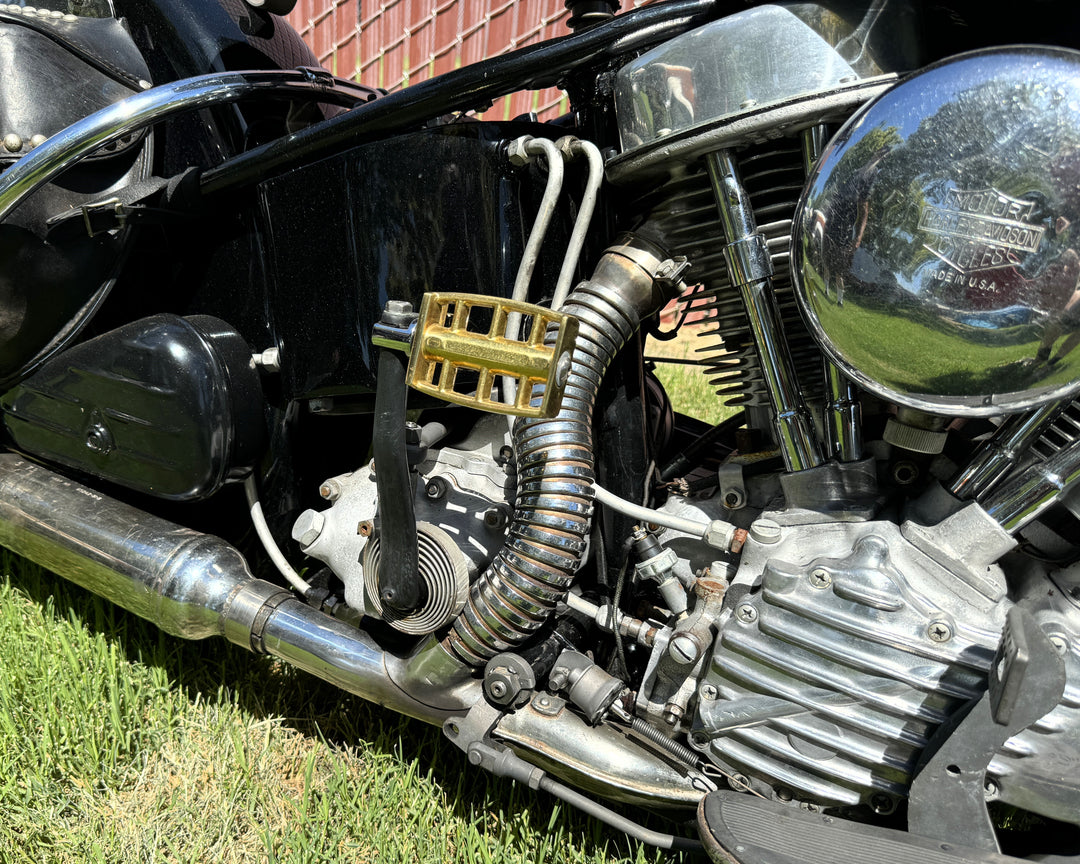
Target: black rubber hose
[(400, 586)]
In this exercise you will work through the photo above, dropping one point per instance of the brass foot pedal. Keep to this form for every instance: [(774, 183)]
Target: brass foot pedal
[(460, 349)]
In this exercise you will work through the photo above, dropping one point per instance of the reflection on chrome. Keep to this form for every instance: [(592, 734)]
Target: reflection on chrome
[(936, 244)]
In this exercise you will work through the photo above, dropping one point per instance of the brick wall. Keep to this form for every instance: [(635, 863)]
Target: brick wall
[(394, 43)]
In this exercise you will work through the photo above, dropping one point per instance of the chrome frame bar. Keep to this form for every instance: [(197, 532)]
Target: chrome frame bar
[(67, 147), (751, 270)]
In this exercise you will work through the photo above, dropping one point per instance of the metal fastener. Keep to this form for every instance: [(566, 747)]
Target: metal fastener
[(683, 649), (498, 689), (308, 527), (330, 490), (495, 518), (364, 528), (12, 142), (740, 782), (882, 803), (765, 531), (435, 488), (37, 140), (820, 578), (746, 613), (708, 692), (939, 631), (1060, 643)]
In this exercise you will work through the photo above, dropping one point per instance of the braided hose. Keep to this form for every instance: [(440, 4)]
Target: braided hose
[(553, 510)]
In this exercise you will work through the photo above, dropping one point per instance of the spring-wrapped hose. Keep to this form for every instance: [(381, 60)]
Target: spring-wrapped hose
[(553, 511)]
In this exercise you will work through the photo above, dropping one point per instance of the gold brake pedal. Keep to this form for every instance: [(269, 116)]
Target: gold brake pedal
[(460, 349)]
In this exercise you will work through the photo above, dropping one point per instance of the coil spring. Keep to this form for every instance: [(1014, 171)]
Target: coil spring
[(685, 210), (534, 569)]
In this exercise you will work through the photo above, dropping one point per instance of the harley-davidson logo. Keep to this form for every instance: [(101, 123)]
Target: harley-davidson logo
[(981, 229)]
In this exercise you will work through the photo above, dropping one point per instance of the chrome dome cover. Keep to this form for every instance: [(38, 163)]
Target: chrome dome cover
[(935, 245)]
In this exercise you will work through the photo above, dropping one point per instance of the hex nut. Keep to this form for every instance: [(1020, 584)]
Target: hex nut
[(308, 527)]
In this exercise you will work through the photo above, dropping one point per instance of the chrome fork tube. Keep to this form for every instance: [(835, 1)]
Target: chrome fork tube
[(842, 414), (751, 270)]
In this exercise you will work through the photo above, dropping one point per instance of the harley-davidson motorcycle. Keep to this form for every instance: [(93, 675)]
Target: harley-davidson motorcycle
[(359, 381)]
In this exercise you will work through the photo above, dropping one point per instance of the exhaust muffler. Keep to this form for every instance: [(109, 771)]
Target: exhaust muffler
[(195, 586)]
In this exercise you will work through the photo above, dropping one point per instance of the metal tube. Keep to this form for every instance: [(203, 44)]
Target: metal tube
[(1003, 450), (1024, 498), (617, 820), (583, 220), (751, 270), (68, 146), (842, 412), (189, 584)]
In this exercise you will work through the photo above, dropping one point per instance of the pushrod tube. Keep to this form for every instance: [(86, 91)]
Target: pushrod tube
[(80, 139), (1022, 499), (842, 411), (751, 270), (1003, 450)]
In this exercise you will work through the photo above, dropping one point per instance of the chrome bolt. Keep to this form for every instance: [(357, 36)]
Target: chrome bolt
[(708, 692), (820, 578), (1060, 643), (746, 613), (990, 790), (939, 631)]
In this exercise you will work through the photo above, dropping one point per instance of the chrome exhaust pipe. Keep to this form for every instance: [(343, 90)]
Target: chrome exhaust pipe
[(195, 586)]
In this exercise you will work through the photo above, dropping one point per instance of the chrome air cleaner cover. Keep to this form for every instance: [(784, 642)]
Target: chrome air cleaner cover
[(935, 245)]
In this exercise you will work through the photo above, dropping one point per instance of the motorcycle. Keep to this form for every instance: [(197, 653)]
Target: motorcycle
[(845, 621)]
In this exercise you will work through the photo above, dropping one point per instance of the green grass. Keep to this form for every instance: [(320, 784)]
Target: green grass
[(687, 385), (119, 743)]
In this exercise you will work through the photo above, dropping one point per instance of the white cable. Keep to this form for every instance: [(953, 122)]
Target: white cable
[(717, 533), (268, 542), (584, 217)]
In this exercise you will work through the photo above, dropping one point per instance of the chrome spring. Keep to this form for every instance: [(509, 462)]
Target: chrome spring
[(553, 511), (686, 212)]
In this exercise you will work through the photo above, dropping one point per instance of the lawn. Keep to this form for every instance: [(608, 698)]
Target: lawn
[(121, 744)]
